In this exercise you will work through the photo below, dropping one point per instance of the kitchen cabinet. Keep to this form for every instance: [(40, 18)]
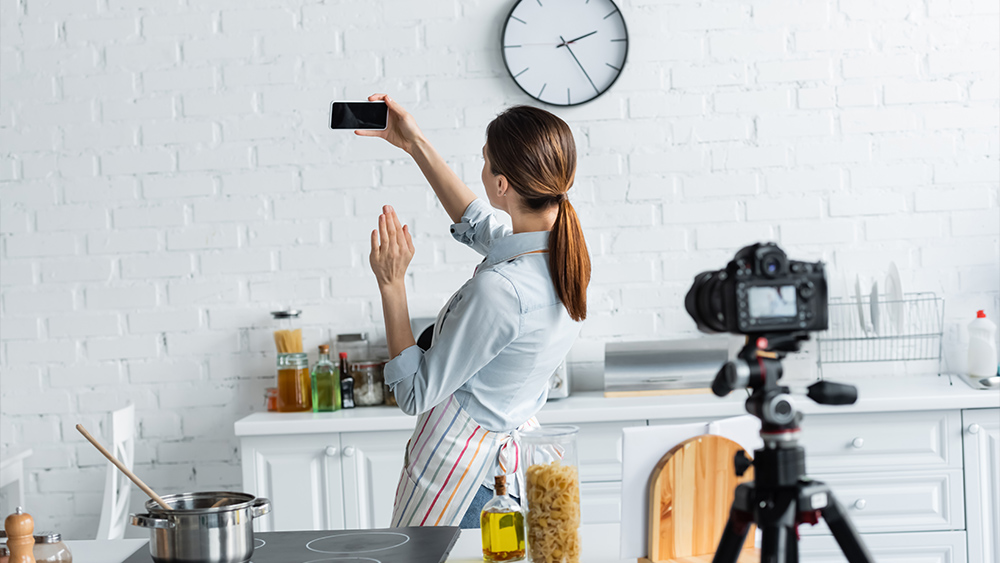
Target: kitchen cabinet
[(915, 466), (981, 437), (371, 462), (324, 482)]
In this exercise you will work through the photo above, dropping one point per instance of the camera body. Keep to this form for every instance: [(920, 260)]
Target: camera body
[(760, 291)]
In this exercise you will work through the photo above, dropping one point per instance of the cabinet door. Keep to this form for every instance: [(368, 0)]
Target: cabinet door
[(301, 475), (601, 503), (371, 463), (934, 547), (600, 446), (981, 437)]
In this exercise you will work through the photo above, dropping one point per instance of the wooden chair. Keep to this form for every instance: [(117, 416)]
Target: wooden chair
[(117, 487), (690, 495)]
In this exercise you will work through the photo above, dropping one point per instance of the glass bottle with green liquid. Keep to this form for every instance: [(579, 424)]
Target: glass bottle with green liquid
[(325, 383)]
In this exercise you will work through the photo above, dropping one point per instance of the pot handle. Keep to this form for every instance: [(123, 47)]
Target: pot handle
[(260, 507), (148, 521)]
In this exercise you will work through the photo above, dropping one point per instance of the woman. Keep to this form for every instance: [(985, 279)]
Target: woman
[(504, 332)]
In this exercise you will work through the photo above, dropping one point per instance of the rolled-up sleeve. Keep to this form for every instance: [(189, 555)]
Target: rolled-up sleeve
[(484, 318), (479, 227)]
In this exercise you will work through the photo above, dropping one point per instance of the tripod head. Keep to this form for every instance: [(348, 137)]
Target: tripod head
[(758, 368)]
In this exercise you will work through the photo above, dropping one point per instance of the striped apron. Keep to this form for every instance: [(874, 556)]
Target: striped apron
[(447, 458)]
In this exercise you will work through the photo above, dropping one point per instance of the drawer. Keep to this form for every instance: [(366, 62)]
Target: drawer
[(935, 547), (849, 443), (600, 445), (601, 503), (908, 501)]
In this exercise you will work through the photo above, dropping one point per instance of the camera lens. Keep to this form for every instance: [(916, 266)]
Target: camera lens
[(704, 302)]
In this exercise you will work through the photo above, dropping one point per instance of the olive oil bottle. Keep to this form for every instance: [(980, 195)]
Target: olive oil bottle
[(502, 524)]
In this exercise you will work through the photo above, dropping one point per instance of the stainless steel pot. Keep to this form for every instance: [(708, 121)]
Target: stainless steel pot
[(213, 527)]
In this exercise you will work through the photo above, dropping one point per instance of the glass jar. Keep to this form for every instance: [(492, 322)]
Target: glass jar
[(368, 382), (551, 496), (355, 345), (294, 383), (271, 399), (49, 548)]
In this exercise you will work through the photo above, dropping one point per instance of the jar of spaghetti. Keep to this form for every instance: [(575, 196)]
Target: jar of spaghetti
[(551, 495), (368, 382), (294, 383)]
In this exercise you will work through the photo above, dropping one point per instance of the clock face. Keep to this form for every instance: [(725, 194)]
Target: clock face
[(564, 52)]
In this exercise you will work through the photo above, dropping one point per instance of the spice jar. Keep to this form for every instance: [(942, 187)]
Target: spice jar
[(549, 461), (49, 548), (368, 382), (294, 383), (271, 399)]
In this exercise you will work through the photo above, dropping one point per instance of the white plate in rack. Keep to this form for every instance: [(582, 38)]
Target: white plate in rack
[(894, 297)]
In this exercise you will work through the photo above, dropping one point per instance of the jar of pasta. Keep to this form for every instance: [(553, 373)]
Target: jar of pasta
[(551, 496)]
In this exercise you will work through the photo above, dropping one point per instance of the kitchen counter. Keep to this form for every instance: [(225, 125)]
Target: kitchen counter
[(910, 393)]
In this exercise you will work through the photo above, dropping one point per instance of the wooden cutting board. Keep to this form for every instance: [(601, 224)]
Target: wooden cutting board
[(690, 494)]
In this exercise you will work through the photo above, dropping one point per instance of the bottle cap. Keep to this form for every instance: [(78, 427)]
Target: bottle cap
[(500, 484), (980, 314), (324, 348), (343, 354)]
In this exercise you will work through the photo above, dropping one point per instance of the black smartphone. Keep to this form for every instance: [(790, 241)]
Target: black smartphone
[(358, 115)]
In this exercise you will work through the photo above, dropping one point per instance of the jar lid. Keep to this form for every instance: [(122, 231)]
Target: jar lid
[(48, 537), (353, 337), (286, 314), (367, 364), (550, 432)]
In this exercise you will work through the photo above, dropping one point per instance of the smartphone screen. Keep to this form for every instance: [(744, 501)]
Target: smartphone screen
[(358, 115)]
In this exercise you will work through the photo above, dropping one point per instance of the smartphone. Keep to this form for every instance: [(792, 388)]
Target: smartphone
[(358, 115)]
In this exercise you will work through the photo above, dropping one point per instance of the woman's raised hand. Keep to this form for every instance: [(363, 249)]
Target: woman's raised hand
[(392, 249), (401, 128)]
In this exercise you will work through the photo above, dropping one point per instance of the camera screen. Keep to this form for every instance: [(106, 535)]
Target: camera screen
[(771, 301), (358, 115)]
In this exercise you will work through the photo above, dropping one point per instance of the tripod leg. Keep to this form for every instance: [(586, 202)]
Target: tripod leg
[(733, 537), (843, 531)]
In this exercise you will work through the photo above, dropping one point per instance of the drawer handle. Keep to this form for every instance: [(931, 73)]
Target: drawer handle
[(331, 451), (349, 451), (860, 504), (973, 428), (858, 443)]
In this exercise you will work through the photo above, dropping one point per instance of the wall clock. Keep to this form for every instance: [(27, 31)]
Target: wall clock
[(564, 52)]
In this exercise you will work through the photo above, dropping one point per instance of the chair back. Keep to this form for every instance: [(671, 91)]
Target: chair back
[(118, 487)]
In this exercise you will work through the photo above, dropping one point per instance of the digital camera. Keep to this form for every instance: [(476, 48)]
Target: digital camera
[(760, 291)]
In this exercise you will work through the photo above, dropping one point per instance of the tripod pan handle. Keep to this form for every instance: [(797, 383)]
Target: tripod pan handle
[(830, 393)]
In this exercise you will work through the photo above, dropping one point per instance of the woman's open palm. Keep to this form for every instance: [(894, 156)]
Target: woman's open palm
[(392, 248)]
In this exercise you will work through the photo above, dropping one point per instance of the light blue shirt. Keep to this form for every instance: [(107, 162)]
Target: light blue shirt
[(500, 336)]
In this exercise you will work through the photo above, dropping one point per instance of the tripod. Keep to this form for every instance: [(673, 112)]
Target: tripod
[(780, 497)]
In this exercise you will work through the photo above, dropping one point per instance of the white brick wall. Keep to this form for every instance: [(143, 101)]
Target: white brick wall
[(167, 178)]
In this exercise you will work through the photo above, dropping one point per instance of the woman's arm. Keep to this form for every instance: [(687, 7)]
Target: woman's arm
[(392, 250), (402, 131)]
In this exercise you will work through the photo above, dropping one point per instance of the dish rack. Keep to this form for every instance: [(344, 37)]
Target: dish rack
[(904, 329)]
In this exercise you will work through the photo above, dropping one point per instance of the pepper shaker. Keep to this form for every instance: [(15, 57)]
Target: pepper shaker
[(20, 542)]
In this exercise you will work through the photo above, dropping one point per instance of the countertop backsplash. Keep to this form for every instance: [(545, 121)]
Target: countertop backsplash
[(167, 179)]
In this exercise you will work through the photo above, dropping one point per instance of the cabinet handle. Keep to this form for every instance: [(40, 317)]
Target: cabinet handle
[(349, 451), (858, 443), (860, 504), (331, 451), (973, 428)]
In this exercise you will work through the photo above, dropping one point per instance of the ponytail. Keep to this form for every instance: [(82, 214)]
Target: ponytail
[(535, 150), (569, 261)]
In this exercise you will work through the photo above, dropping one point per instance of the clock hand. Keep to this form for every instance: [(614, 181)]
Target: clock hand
[(565, 43), (580, 65)]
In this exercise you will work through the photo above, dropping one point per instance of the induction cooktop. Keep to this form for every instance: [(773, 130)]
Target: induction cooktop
[(388, 545)]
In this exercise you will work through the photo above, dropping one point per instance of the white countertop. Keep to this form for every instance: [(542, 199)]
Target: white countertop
[(909, 393)]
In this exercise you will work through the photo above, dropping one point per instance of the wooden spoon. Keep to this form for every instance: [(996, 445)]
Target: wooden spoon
[(145, 488)]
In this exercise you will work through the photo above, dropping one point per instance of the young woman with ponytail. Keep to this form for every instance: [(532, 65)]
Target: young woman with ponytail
[(504, 332)]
